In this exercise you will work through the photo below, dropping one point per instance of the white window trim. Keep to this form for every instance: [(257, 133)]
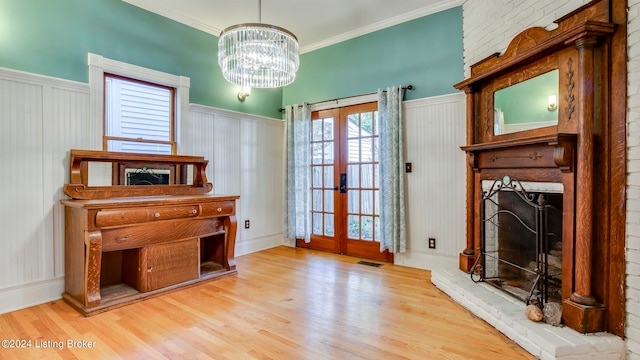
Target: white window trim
[(98, 65)]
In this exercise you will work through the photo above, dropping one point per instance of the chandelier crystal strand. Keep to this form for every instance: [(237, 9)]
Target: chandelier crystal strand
[(258, 55)]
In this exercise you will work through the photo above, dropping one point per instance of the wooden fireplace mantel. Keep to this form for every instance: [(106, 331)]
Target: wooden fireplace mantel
[(581, 151), (541, 158)]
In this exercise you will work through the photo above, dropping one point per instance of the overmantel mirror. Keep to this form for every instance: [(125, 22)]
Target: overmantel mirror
[(527, 105), (527, 101), (103, 174)]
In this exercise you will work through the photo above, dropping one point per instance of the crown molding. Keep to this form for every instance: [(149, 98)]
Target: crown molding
[(441, 6), (151, 6)]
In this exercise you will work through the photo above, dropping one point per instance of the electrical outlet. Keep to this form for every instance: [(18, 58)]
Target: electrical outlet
[(247, 224), (432, 243)]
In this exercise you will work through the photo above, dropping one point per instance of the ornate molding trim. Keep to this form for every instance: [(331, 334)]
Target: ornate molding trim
[(570, 97), (532, 156)]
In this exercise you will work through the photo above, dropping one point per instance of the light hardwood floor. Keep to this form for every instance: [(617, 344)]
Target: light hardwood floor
[(284, 303)]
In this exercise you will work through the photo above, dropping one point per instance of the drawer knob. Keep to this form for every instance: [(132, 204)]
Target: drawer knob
[(156, 215), (194, 211), (219, 209), (124, 238)]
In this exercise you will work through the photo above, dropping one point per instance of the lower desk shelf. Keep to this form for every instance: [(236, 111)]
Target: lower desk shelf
[(135, 274)]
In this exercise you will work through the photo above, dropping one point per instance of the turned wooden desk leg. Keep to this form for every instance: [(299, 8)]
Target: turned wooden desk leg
[(231, 225), (93, 261)]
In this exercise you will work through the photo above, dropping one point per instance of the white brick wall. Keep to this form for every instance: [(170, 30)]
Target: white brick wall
[(488, 27), (633, 182)]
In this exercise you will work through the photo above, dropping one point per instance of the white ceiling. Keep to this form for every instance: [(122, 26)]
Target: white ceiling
[(316, 23)]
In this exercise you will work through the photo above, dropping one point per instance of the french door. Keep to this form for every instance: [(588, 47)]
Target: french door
[(345, 171)]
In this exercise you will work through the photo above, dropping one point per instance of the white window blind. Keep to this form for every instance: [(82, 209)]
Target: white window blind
[(138, 116)]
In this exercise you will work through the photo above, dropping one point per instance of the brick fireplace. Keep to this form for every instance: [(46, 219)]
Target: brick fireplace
[(579, 152)]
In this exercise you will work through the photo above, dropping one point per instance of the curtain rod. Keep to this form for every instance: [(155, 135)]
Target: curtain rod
[(408, 87)]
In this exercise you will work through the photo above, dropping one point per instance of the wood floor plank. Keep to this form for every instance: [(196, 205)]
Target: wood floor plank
[(284, 303)]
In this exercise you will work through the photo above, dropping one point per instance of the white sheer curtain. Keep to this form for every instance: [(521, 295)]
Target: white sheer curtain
[(298, 183), (392, 218)]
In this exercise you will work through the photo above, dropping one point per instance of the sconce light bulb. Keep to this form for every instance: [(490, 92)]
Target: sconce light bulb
[(553, 103)]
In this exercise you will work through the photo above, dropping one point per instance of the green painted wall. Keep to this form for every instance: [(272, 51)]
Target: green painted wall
[(425, 52), (53, 37)]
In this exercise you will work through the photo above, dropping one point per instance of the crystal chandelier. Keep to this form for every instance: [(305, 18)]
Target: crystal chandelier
[(258, 55)]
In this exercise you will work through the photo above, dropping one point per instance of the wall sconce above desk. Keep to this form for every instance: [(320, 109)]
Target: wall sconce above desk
[(246, 91)]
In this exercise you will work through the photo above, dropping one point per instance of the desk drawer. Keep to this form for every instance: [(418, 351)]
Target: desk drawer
[(119, 217), (154, 233), (172, 212), (222, 208)]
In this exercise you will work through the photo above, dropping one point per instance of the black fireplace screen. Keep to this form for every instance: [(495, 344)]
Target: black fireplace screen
[(521, 242)]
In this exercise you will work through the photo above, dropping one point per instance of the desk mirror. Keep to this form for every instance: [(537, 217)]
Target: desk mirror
[(101, 174)]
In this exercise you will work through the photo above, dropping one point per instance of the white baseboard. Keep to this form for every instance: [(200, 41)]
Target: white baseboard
[(26, 295), (247, 246), (289, 242), (422, 260)]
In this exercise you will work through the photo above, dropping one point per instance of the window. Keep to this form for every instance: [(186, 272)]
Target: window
[(138, 116), (135, 109)]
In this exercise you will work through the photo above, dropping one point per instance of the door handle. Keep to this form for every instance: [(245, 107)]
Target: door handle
[(343, 183)]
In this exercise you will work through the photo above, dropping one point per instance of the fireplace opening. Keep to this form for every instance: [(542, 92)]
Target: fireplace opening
[(521, 240)]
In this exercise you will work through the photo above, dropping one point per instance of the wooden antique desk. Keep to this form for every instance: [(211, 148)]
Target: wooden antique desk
[(125, 242)]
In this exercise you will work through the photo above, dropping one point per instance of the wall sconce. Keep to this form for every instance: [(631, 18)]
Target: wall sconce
[(553, 103), (246, 91)]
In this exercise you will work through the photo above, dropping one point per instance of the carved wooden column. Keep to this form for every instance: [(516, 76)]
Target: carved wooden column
[(467, 256), (581, 311), (93, 261), (584, 203)]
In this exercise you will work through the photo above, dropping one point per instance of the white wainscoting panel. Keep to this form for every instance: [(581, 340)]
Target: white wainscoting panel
[(262, 181), (41, 118), (435, 189), (245, 158), (67, 127), (196, 132), (226, 162)]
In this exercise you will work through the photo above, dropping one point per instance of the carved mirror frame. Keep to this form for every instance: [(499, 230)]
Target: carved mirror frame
[(117, 163)]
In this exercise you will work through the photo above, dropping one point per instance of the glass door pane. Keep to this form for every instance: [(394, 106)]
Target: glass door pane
[(322, 169), (324, 198), (362, 171)]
